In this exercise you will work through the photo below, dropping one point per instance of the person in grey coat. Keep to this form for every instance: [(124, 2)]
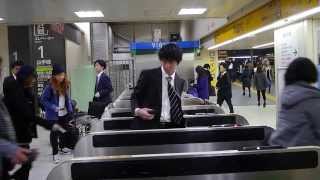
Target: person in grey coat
[(299, 121), (261, 84)]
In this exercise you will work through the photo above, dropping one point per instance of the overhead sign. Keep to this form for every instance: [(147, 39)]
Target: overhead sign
[(48, 48), (157, 45)]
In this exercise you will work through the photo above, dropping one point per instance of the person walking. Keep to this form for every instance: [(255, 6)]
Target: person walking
[(224, 87), (246, 80), (21, 106), (261, 84)]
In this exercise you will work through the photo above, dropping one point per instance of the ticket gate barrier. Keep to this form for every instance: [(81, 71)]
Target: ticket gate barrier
[(298, 163)]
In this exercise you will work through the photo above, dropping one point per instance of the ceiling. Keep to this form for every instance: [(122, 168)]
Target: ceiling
[(248, 43), (49, 11)]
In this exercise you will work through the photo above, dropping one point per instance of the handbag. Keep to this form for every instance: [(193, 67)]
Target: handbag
[(96, 108)]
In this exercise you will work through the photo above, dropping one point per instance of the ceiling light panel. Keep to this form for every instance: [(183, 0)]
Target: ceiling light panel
[(192, 11), (89, 14)]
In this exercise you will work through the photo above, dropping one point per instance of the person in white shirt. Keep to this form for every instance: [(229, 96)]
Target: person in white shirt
[(156, 100)]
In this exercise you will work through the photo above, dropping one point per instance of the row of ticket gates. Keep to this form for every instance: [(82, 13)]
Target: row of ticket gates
[(213, 146)]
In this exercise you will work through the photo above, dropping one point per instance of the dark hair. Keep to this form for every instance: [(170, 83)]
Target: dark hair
[(200, 71), (26, 74), (207, 66), (16, 63), (301, 69), (101, 63), (170, 52), (223, 64)]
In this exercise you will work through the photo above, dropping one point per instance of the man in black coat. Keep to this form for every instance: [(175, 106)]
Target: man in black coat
[(20, 104), (103, 87), (224, 87), (156, 100), (9, 81)]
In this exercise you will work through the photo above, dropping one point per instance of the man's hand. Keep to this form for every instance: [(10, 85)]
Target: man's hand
[(144, 113), (20, 156)]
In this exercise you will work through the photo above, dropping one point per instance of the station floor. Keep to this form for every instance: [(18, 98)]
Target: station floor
[(243, 105)]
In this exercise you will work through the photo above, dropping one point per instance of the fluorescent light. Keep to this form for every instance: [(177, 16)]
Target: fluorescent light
[(192, 11), (89, 14), (263, 45), (240, 57), (1, 19), (275, 25)]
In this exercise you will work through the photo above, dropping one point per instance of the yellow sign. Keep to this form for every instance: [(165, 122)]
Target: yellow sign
[(266, 14), (257, 18), (292, 7)]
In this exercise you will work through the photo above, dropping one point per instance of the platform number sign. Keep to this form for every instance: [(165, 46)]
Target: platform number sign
[(43, 62)]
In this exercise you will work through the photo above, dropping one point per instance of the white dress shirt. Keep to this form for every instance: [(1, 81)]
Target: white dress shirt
[(62, 106), (165, 108), (98, 76)]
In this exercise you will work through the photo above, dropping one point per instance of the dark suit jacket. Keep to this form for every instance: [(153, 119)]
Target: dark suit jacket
[(148, 94), (8, 84), (20, 104), (104, 87), (224, 86)]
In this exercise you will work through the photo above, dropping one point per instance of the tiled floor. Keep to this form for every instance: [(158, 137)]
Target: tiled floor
[(243, 105)]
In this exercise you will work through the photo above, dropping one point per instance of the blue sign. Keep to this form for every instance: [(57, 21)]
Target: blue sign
[(157, 45)]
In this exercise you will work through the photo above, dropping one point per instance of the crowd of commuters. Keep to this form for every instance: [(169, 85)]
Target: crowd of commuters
[(156, 103)]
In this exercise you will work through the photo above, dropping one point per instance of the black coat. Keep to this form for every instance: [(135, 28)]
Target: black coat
[(21, 106), (224, 86), (148, 94), (8, 84), (104, 87), (246, 78)]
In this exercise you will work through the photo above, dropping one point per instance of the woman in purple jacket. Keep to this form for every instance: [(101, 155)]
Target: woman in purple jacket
[(202, 83), (57, 105)]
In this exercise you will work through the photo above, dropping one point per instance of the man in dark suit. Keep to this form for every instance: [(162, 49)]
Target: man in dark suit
[(224, 87), (156, 100), (103, 87), (9, 81)]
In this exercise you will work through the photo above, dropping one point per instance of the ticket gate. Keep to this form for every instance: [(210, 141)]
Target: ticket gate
[(216, 119), (109, 143), (121, 104), (116, 123), (299, 163), (120, 110), (124, 123), (202, 109), (125, 95)]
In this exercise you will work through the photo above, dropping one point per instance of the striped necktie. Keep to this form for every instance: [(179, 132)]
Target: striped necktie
[(176, 113)]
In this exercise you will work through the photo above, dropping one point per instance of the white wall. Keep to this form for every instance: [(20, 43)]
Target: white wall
[(290, 42), (186, 30), (203, 27), (80, 72), (293, 41)]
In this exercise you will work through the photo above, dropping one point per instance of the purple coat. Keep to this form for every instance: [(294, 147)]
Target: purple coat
[(202, 87)]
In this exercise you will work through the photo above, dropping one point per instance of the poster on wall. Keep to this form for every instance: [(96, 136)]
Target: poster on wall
[(287, 44), (48, 48)]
